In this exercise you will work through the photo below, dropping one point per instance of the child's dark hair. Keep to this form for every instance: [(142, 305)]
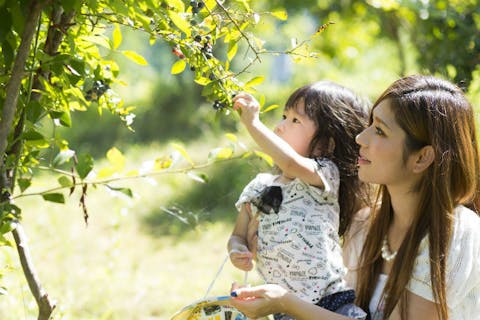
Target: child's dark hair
[(341, 115)]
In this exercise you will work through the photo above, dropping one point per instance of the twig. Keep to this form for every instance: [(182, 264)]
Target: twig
[(45, 306), (132, 177)]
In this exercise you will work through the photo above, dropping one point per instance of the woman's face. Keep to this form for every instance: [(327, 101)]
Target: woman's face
[(382, 145)]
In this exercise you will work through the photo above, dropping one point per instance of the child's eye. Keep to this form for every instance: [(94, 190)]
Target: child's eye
[(284, 117), (295, 120)]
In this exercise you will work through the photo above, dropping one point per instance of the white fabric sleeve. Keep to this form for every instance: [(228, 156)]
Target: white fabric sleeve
[(463, 266), (353, 244), (253, 188)]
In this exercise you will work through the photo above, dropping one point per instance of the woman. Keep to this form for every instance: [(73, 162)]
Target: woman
[(417, 256)]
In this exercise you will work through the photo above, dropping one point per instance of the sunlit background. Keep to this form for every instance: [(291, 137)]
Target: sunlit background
[(145, 257)]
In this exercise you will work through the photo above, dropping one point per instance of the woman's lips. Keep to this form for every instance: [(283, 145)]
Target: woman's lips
[(361, 160)]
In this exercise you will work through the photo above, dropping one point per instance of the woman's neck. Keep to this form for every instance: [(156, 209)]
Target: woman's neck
[(404, 205)]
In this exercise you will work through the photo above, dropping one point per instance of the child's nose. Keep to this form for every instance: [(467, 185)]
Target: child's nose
[(278, 128)]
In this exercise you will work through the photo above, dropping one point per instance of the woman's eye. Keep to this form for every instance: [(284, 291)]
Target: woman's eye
[(379, 131)]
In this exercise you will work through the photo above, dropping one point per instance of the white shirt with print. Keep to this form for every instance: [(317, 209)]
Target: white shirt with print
[(299, 247)]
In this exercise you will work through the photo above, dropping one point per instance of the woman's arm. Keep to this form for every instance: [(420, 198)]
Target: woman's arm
[(267, 299), (418, 308)]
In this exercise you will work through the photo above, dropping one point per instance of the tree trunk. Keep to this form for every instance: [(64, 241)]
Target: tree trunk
[(45, 306)]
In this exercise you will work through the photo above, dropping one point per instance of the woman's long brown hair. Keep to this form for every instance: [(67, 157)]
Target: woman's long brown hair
[(432, 112)]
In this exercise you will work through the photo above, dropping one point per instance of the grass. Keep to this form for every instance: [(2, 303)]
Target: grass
[(118, 266)]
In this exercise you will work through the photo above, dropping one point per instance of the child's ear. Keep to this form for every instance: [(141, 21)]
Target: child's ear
[(424, 158)]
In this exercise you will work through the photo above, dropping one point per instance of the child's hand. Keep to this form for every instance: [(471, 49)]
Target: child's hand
[(241, 258), (248, 105)]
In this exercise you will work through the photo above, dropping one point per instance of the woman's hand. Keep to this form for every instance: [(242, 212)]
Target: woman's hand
[(258, 301)]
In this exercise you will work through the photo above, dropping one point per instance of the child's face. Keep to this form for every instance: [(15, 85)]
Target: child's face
[(297, 129)]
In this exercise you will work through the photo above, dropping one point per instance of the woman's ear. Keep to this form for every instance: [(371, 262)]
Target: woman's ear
[(424, 158)]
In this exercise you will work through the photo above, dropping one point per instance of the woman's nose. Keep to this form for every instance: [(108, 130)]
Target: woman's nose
[(361, 138)]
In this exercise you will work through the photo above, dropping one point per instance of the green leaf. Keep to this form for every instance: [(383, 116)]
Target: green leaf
[(177, 4), (270, 108), (7, 226), (221, 153), (178, 66), (116, 159), (231, 137), (255, 81), (202, 178), (210, 4), (117, 37), (281, 15), (35, 139), (5, 23), (17, 10), (24, 183), (135, 57), (63, 118), (33, 135), (98, 40), (183, 152), (181, 23), (84, 165), (232, 50), (125, 191), (70, 5), (8, 53), (265, 157), (63, 157), (54, 197), (245, 4), (34, 111), (65, 181)]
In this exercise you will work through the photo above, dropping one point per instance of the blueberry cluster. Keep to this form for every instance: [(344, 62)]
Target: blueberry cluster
[(217, 105), (196, 6), (207, 45), (98, 89)]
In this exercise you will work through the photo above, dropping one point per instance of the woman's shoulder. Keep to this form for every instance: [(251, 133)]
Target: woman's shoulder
[(467, 222), (360, 220), (357, 231)]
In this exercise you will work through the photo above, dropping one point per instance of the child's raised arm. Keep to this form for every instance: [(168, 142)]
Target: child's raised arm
[(292, 164)]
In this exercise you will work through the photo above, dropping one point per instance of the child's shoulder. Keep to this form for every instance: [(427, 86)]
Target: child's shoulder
[(265, 177)]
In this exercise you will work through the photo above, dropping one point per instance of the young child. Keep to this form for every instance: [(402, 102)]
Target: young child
[(303, 211)]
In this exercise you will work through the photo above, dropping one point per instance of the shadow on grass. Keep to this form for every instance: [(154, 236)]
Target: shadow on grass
[(200, 203)]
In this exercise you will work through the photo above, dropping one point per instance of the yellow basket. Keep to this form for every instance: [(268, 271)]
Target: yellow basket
[(213, 308)]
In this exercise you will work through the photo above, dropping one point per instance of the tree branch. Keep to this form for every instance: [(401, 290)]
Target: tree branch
[(13, 85), (45, 306)]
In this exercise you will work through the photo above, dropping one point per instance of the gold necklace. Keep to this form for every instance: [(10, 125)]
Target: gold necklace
[(387, 255)]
